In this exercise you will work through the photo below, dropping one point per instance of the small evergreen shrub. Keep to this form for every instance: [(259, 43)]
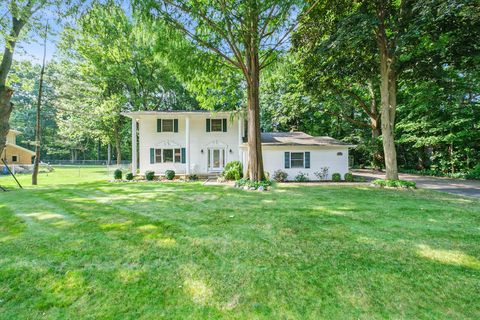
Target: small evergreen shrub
[(149, 175), (233, 170), (302, 177), (192, 177), (394, 183), (336, 177), (169, 174), (280, 175), (129, 176), (117, 174), (348, 177)]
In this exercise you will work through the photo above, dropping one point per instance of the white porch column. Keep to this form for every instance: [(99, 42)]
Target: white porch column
[(134, 147), (187, 145), (240, 140)]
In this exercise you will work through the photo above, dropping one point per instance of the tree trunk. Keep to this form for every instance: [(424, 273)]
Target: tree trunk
[(5, 110), (6, 93), (118, 148), (388, 97), (109, 154), (377, 154), (38, 135), (255, 160)]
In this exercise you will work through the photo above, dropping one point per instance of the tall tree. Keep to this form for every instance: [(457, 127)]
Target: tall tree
[(19, 17), (245, 34)]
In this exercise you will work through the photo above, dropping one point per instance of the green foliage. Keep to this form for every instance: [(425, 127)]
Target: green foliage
[(302, 177), (349, 177), (169, 174), (359, 179), (252, 184), (474, 174), (280, 175), (129, 176), (117, 174), (336, 177), (192, 177), (233, 170), (149, 175), (395, 183)]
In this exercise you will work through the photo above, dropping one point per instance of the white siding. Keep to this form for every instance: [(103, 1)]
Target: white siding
[(199, 140), (274, 159)]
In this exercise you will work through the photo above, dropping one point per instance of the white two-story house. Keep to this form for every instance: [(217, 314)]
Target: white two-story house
[(202, 142)]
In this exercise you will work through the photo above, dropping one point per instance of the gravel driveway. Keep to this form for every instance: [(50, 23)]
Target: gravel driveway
[(468, 188)]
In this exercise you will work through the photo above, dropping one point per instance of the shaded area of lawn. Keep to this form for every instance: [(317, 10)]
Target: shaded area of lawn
[(182, 250)]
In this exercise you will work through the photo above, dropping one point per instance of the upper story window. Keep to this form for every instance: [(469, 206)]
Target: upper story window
[(14, 158), (216, 125), (167, 125)]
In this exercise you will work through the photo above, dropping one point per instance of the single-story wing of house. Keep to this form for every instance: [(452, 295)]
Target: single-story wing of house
[(203, 142)]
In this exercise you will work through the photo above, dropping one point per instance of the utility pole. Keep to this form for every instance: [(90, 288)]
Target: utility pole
[(39, 105)]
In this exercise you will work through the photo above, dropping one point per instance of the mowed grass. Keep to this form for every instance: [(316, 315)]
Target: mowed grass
[(79, 247)]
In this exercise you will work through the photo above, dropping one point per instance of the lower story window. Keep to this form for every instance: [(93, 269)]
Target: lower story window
[(297, 160), (168, 155)]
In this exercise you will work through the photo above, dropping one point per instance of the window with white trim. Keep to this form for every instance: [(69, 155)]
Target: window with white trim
[(168, 155), (167, 125), (217, 125), (297, 159)]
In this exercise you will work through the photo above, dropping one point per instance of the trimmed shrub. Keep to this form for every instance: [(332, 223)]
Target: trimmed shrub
[(129, 176), (336, 177), (302, 177), (192, 177), (117, 174), (149, 175), (169, 174), (395, 183), (233, 170), (348, 177), (280, 175)]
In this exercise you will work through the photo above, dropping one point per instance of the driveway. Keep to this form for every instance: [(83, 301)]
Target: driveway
[(468, 188)]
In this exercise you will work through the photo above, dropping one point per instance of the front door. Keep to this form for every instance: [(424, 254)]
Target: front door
[(216, 159)]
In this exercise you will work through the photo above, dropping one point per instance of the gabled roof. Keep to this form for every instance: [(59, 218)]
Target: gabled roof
[(299, 139), (173, 112), (21, 148)]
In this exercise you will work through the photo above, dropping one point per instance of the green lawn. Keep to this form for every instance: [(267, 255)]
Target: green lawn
[(80, 247)]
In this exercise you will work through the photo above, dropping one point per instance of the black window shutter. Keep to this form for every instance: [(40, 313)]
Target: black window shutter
[(208, 125), (152, 155), (184, 155), (224, 125), (287, 160), (175, 125), (159, 125), (307, 160)]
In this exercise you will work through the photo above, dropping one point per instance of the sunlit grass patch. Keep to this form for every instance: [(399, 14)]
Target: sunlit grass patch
[(453, 257)]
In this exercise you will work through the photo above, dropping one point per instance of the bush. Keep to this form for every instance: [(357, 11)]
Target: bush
[(359, 179), (336, 177), (322, 174), (149, 175), (169, 174), (348, 177), (253, 184), (395, 183), (117, 174), (280, 175), (474, 174), (302, 177), (192, 177), (233, 171), (129, 176)]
